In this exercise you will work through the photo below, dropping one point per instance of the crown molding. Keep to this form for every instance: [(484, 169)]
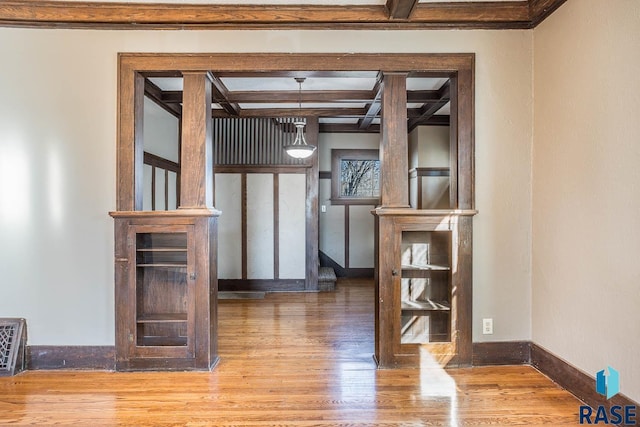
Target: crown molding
[(166, 16)]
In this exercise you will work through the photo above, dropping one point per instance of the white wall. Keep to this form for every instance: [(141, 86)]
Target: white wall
[(229, 201), (57, 177), (586, 198)]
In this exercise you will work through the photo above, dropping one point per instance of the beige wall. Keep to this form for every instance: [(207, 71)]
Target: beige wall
[(586, 197), (57, 165)]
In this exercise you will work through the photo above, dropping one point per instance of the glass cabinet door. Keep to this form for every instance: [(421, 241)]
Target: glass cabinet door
[(425, 290), (162, 311)]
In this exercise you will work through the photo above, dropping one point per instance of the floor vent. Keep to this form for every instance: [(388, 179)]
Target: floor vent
[(13, 346)]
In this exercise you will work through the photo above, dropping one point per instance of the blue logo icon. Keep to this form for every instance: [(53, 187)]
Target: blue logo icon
[(608, 385)]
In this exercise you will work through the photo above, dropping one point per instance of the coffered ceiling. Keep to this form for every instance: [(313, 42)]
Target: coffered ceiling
[(342, 101)]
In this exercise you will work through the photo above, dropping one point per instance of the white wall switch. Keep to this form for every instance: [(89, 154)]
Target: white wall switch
[(323, 208)]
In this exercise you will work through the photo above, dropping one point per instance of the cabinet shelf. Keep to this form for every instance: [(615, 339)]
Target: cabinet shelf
[(425, 267), (425, 305), (161, 250), (162, 342), (162, 265), (163, 318)]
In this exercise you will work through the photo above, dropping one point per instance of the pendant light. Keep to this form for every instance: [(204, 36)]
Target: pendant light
[(299, 149)]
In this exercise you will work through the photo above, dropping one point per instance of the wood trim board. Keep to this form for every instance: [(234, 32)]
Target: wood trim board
[(144, 16)]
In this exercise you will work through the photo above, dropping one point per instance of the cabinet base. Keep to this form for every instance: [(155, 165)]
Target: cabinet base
[(165, 364)]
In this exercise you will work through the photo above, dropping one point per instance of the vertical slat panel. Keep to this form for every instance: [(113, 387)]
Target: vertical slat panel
[(253, 141)]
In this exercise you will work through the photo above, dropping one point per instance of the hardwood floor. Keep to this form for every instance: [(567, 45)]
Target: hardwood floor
[(291, 359)]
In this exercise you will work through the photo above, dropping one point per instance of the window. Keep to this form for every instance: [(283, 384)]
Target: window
[(355, 177)]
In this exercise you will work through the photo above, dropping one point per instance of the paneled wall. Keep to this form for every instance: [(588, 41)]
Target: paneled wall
[(262, 230)]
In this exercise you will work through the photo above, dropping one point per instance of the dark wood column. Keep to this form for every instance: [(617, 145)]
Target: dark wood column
[(196, 180), (312, 232), (394, 163)]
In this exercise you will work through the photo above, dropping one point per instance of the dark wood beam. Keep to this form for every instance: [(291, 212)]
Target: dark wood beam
[(88, 14), (400, 9), (219, 95), (261, 97), (342, 96), (293, 112), (540, 9), (373, 109), (301, 73), (154, 93), (347, 128), (394, 180), (431, 108)]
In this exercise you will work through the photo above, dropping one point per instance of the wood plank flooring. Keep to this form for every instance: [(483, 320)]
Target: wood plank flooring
[(297, 360)]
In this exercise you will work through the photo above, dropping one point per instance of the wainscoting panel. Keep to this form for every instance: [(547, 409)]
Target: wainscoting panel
[(260, 229), (291, 225), (229, 201)]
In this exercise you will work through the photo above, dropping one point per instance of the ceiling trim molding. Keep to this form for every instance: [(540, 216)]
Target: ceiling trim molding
[(104, 15)]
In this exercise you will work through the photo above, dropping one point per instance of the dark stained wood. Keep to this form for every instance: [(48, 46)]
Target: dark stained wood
[(154, 93), (463, 284), (258, 97), (463, 171), (400, 9), (293, 112), (539, 10), (501, 353), (161, 162), (346, 236), (196, 181), (445, 65), (188, 295), (324, 174), (153, 188), (574, 380), (454, 129), (71, 357), (347, 128), (394, 184), (373, 109), (312, 226), (429, 109), (72, 14), (220, 95)]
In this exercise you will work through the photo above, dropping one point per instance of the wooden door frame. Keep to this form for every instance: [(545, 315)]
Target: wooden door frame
[(459, 67)]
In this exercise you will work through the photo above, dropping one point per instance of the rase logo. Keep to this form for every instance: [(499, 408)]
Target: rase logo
[(608, 386)]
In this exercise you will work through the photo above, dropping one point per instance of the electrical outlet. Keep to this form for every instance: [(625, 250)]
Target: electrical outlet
[(487, 326)]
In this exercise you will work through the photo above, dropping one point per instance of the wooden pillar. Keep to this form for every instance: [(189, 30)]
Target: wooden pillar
[(312, 233), (394, 163), (196, 168)]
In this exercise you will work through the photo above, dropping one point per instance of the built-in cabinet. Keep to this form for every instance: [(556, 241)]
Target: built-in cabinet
[(423, 297), (166, 290)]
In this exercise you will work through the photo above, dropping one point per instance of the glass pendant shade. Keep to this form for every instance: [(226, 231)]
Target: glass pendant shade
[(299, 149)]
